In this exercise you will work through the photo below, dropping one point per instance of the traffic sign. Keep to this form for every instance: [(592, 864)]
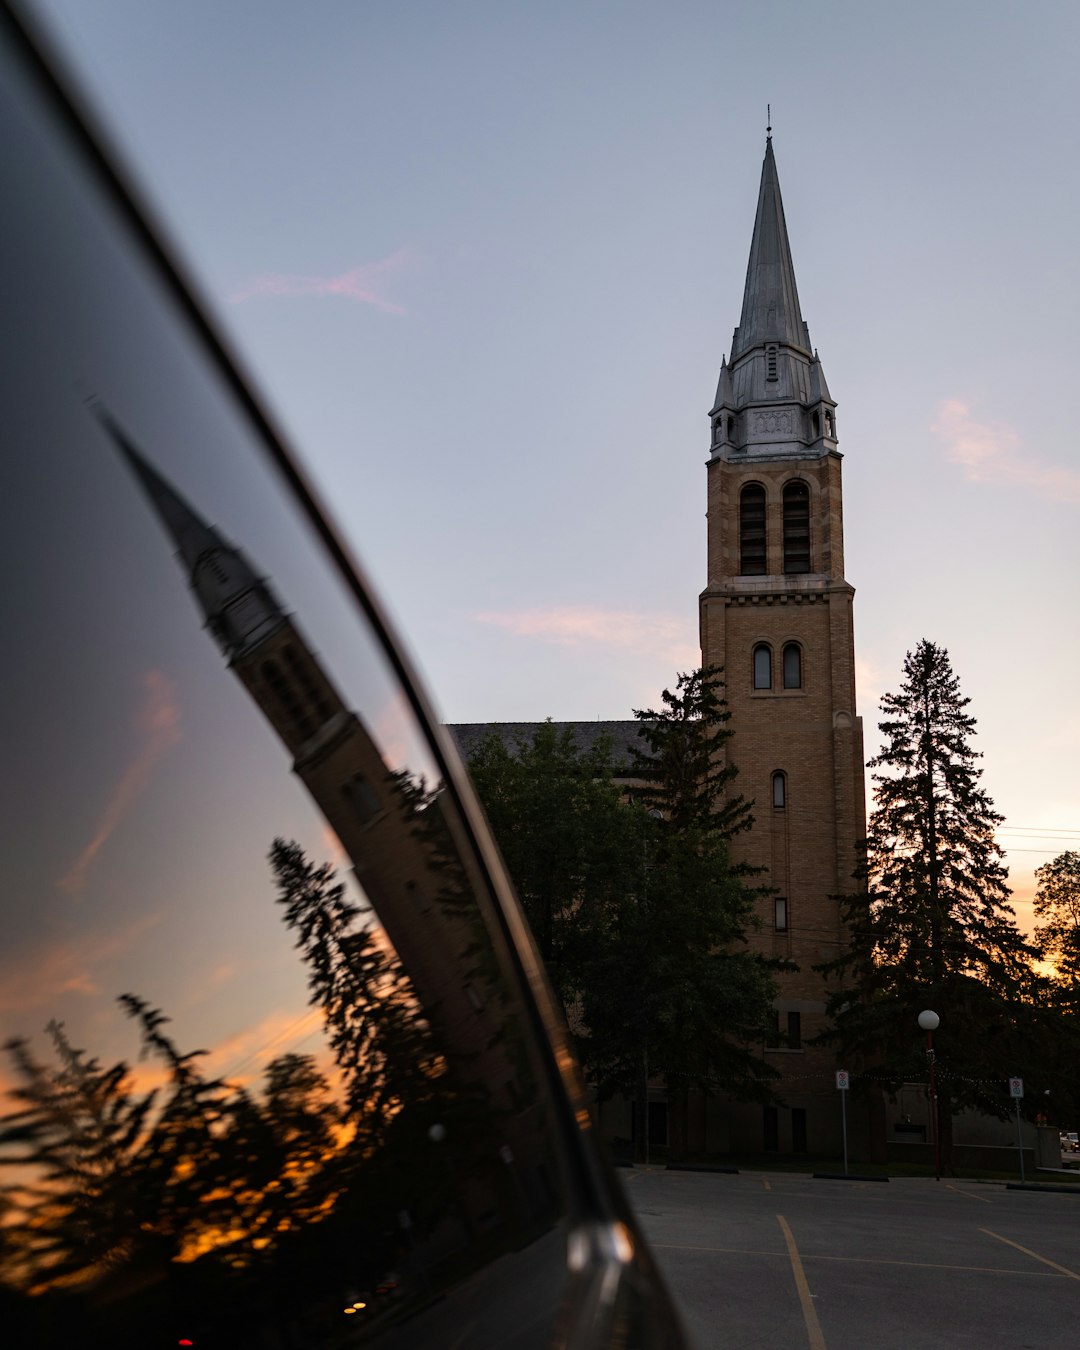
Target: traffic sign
[(1016, 1087), (843, 1080)]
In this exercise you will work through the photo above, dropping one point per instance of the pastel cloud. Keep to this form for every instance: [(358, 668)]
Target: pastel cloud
[(578, 625), (994, 453), (364, 283), (157, 722)]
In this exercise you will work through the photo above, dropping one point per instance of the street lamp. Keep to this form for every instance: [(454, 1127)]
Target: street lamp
[(930, 1021)]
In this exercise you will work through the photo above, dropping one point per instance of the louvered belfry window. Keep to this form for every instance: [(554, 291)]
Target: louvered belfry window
[(752, 531), (796, 528)]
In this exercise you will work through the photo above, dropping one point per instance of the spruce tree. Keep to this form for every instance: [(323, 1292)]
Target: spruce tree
[(935, 928), (701, 1001)]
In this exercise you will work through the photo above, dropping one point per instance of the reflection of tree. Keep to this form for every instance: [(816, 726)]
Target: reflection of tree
[(401, 1091), (384, 1050), (74, 1144), (244, 1205)]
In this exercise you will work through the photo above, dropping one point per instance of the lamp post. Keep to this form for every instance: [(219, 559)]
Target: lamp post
[(930, 1021)]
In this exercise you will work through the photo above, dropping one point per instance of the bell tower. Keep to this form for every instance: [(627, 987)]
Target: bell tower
[(776, 614)]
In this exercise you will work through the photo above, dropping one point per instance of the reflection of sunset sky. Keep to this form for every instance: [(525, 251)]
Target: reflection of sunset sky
[(144, 788)]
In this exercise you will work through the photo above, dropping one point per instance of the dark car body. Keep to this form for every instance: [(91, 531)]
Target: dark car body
[(282, 1067)]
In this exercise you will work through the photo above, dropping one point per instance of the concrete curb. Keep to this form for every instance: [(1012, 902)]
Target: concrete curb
[(1041, 1186), (700, 1167)]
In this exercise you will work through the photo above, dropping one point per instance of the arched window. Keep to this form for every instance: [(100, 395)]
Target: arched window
[(796, 528), (792, 666), (779, 790), (752, 530), (301, 673), (286, 697), (762, 666)]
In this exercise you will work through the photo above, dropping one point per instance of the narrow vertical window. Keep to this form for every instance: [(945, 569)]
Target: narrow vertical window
[(796, 528), (780, 913), (792, 666), (779, 790), (762, 666), (770, 361), (752, 530), (286, 697), (794, 1031)]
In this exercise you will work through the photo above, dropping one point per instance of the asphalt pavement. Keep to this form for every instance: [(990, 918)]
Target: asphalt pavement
[(781, 1260)]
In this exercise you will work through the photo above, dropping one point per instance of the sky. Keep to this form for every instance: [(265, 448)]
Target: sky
[(483, 259)]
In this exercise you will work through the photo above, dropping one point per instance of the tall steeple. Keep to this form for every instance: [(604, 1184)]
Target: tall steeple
[(772, 400), (770, 307), (240, 609), (776, 617)]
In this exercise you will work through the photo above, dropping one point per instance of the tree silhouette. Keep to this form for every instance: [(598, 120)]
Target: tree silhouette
[(1057, 905), (936, 929), (74, 1143)]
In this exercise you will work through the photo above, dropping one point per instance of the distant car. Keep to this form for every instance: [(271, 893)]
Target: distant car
[(1071, 1141)]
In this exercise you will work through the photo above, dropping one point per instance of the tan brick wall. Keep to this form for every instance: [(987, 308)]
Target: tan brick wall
[(809, 847)]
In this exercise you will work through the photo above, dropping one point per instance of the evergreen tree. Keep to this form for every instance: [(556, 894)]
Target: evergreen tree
[(639, 911), (702, 1001), (1057, 904), (684, 767), (936, 929), (568, 842)]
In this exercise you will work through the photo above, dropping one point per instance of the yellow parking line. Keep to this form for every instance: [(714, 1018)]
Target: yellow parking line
[(1028, 1252), (970, 1196), (856, 1260), (813, 1326)]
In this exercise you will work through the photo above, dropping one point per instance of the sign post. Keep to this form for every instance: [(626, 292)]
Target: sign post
[(1016, 1091), (843, 1082)]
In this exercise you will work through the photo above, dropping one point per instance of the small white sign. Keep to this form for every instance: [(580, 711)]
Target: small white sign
[(1016, 1087), (843, 1079)]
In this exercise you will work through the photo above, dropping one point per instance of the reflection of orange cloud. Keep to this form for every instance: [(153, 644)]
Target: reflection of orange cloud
[(199, 991), (66, 967), (335, 853), (243, 1057), (157, 722)]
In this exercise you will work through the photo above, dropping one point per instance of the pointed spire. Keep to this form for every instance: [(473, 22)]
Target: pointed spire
[(238, 606), (725, 396), (819, 390), (770, 310)]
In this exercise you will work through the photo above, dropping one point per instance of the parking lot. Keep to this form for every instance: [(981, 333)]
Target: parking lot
[(782, 1260)]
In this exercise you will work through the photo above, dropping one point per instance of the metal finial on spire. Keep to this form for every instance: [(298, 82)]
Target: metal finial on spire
[(768, 119)]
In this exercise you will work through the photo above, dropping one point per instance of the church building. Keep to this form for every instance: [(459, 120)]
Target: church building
[(776, 615)]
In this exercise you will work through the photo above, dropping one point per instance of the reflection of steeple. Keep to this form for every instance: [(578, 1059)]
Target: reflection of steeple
[(240, 609)]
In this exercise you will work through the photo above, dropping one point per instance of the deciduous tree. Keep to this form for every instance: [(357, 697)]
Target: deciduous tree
[(1057, 904)]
